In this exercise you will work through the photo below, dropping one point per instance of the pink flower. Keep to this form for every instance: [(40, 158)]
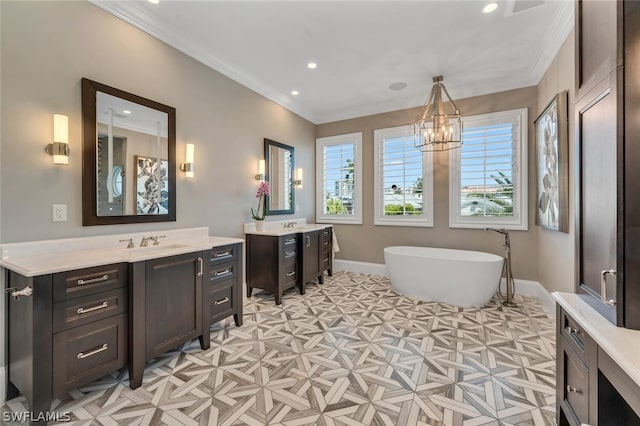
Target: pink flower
[(263, 189)]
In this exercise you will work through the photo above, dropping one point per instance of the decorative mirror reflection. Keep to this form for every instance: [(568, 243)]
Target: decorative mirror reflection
[(279, 160), (128, 155)]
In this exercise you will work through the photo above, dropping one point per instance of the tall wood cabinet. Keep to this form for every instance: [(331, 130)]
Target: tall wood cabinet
[(608, 150)]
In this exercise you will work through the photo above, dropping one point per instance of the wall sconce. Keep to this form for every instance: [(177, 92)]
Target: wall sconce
[(260, 175), (59, 149), (188, 166), (298, 180)]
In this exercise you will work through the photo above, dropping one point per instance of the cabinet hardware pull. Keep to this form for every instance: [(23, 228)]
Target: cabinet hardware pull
[(603, 286), (225, 272), (308, 238), (95, 308), (221, 301), (571, 389), (326, 259), (83, 355), (290, 274), (93, 280), (290, 241), (15, 293), (326, 243), (570, 330), (199, 266), (290, 253), (222, 254)]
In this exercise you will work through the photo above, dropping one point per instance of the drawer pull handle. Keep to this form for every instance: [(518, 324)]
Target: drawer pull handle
[(326, 243), (290, 253), (93, 280), (290, 241), (571, 389), (570, 330), (222, 254), (603, 286), (290, 274), (221, 301), (200, 266), (95, 308), (326, 259), (102, 348), (225, 272)]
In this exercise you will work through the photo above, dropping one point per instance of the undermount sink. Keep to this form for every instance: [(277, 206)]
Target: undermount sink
[(160, 247)]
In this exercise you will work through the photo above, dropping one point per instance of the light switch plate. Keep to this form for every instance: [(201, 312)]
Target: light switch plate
[(59, 213)]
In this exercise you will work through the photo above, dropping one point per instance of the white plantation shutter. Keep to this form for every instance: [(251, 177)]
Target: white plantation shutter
[(338, 177), (488, 173), (403, 179)]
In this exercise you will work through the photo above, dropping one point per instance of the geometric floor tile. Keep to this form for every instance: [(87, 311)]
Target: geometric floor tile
[(349, 352)]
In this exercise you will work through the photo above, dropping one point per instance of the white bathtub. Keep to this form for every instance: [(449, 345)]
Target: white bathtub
[(457, 277)]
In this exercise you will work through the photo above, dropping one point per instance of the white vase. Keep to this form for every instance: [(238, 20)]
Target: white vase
[(259, 225)]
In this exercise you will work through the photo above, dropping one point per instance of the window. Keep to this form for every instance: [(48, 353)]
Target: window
[(403, 188), (339, 179), (488, 174)]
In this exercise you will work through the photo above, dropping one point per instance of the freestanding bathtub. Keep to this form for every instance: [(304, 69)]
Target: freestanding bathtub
[(457, 277)]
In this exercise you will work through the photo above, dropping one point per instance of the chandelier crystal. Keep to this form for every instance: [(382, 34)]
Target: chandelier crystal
[(437, 129)]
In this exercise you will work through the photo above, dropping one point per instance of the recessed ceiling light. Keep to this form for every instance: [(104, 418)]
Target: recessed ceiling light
[(398, 85), (295, 92), (312, 65), (490, 7), (126, 111), (154, 1)]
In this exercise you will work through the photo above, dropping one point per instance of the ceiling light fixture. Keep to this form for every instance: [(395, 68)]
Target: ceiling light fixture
[(312, 65), (437, 129), (295, 92), (490, 7)]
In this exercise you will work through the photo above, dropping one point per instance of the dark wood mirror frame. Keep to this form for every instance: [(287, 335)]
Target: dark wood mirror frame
[(267, 159), (89, 172)]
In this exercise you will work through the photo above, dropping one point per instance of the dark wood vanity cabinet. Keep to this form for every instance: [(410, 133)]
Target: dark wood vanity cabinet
[(272, 263), (591, 389), (315, 249), (223, 291), (70, 331), (608, 153)]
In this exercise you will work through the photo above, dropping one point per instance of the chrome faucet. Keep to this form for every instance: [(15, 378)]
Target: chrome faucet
[(155, 239), (288, 225), (145, 241), (130, 241)]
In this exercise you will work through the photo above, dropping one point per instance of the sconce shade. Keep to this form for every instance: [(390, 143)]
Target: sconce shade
[(260, 175), (438, 128), (59, 149), (189, 164), (298, 180)]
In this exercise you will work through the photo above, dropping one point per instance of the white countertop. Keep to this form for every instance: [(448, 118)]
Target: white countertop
[(276, 228), (50, 256), (621, 344)]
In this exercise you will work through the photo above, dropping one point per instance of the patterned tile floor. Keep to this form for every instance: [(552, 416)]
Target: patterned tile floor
[(349, 352)]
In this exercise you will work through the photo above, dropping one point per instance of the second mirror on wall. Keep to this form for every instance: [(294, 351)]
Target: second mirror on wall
[(279, 159)]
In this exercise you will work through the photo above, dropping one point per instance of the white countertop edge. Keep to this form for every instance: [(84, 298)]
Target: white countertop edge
[(42, 264), (301, 230), (621, 344)]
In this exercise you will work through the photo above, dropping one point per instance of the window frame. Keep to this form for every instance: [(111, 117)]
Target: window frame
[(520, 219), (379, 218), (356, 217)]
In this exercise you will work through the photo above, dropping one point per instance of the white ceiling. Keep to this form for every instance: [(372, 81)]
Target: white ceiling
[(361, 47)]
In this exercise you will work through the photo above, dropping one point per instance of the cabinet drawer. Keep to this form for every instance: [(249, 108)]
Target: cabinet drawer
[(289, 273), (222, 255), (575, 335), (86, 353), (83, 282), (325, 246), (83, 310), (221, 300), (288, 242), (575, 389), (289, 253), (326, 261), (222, 272), (326, 234)]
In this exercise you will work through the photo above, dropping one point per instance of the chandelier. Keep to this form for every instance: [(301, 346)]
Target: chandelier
[(436, 129)]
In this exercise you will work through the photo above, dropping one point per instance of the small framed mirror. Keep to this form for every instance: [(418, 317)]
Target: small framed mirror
[(128, 159), (279, 161)]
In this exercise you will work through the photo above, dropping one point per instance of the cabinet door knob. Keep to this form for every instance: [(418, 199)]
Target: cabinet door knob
[(571, 389)]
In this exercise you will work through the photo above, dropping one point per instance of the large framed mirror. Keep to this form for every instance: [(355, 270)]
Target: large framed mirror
[(279, 161), (128, 157)]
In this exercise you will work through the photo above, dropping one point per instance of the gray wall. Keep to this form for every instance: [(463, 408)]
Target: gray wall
[(556, 250), (366, 242), (47, 47)]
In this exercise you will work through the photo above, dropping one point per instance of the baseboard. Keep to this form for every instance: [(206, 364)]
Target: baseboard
[(523, 287), (360, 267)]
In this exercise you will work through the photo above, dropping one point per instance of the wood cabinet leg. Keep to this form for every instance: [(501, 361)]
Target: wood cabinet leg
[(302, 288), (321, 279), (40, 407), (330, 272), (205, 340), (249, 291), (238, 319), (278, 298)]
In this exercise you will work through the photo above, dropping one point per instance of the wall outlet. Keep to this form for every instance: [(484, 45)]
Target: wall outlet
[(59, 212)]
